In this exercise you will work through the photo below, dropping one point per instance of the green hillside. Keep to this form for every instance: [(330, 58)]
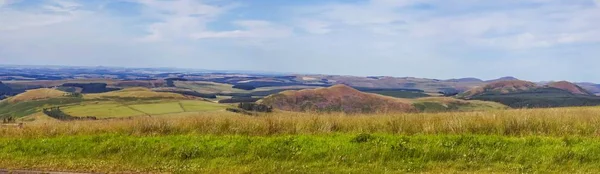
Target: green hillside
[(124, 103)]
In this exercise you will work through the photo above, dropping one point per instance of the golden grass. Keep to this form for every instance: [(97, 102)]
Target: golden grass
[(579, 121), (36, 94), (475, 105)]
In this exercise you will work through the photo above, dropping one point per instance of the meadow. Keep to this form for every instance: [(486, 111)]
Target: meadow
[(505, 141)]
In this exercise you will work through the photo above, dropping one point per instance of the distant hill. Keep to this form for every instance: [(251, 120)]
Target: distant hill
[(507, 78), (461, 80), (5, 90), (341, 98), (500, 87), (338, 98), (37, 94), (591, 87), (568, 86), (520, 94)]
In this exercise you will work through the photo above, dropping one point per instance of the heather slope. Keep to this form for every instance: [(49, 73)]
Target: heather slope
[(568, 86), (341, 98), (335, 99)]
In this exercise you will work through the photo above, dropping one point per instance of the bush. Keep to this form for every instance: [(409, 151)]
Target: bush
[(255, 107), (91, 87), (244, 87)]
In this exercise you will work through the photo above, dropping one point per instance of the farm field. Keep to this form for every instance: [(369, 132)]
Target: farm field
[(116, 110), (503, 141)]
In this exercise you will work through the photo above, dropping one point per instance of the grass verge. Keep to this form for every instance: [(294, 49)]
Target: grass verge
[(336, 153)]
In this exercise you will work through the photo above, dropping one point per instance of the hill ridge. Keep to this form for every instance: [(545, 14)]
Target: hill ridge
[(337, 98)]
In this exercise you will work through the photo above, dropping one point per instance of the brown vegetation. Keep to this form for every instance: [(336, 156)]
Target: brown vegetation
[(568, 86), (37, 94), (335, 99)]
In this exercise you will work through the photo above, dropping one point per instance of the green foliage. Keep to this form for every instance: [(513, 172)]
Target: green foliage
[(540, 98), (342, 153), (58, 114)]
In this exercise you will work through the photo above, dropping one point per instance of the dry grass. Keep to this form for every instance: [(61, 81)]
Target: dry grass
[(584, 121), (36, 94)]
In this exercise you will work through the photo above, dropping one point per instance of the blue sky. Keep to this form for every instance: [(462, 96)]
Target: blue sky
[(531, 39)]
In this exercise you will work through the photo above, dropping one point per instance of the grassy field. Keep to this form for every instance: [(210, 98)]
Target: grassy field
[(560, 140), (101, 110), (339, 153), (130, 109)]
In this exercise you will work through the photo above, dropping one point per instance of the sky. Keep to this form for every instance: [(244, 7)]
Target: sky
[(538, 40)]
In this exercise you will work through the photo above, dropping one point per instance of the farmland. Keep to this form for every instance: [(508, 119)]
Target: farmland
[(514, 141)]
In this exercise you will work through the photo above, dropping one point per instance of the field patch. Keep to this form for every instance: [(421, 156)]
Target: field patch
[(101, 110), (195, 106), (158, 108)]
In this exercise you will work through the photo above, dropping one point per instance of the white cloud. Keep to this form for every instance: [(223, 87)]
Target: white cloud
[(374, 37), (178, 18), (251, 29), (53, 12), (315, 26), (502, 24)]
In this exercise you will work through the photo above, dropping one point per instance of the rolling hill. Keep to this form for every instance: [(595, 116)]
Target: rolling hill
[(523, 94), (568, 86), (500, 87), (37, 94), (123, 103), (338, 98), (341, 98)]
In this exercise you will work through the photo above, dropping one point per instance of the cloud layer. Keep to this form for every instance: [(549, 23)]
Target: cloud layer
[(531, 39)]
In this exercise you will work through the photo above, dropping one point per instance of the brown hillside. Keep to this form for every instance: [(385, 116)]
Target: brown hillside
[(37, 94), (502, 87), (568, 86), (336, 98)]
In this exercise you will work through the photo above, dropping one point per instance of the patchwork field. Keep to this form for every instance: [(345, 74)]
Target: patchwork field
[(116, 110)]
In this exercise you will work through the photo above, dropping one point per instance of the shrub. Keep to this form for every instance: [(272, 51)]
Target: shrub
[(244, 87)]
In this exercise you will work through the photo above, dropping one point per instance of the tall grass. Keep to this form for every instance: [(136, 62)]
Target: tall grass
[(583, 121)]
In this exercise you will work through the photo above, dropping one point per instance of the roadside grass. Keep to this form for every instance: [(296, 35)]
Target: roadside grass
[(336, 153)]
